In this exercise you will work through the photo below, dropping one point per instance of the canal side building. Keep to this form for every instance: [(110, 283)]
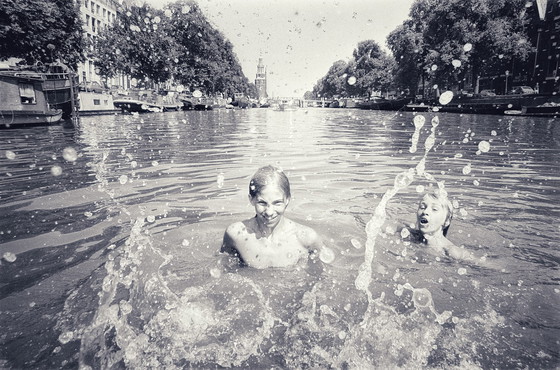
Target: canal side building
[(543, 68), (97, 15)]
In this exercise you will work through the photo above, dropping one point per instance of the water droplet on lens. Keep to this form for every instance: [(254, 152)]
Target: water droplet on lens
[(356, 243), (9, 256), (70, 154), (326, 255), (215, 273), (419, 121), (56, 170), (66, 337), (484, 146), (446, 97), (10, 155), (467, 46), (405, 233), (421, 297), (351, 80)]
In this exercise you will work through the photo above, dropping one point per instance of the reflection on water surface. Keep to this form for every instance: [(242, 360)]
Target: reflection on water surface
[(110, 253)]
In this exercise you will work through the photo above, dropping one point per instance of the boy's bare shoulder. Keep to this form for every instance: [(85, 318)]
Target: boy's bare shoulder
[(238, 227)]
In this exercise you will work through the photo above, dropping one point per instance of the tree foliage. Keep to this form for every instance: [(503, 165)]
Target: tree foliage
[(369, 70), (135, 45), (41, 31), (177, 42), (445, 40)]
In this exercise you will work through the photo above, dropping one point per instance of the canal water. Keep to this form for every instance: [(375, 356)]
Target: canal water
[(110, 232)]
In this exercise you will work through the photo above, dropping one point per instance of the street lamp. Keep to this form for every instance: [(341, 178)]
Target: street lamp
[(507, 74)]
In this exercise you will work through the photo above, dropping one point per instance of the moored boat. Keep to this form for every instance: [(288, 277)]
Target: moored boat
[(378, 103), (499, 104), (136, 106), (286, 105), (95, 103), (23, 99), (544, 110)]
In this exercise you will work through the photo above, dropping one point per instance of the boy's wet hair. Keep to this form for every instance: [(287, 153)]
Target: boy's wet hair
[(267, 175), (441, 196)]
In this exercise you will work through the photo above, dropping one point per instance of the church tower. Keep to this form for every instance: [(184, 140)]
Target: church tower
[(260, 81)]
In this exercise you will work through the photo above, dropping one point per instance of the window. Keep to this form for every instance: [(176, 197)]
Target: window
[(96, 102), (27, 94), (85, 3)]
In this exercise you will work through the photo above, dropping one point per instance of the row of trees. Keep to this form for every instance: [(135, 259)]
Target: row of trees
[(446, 43), (370, 69), (39, 31), (176, 43)]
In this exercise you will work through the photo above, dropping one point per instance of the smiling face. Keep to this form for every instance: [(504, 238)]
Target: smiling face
[(270, 204), (432, 215)]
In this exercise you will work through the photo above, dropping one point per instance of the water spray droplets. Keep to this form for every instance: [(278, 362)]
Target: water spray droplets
[(10, 155), (56, 170), (70, 154), (356, 243), (484, 146), (446, 97), (327, 255), (403, 179), (9, 256), (419, 122), (220, 180)]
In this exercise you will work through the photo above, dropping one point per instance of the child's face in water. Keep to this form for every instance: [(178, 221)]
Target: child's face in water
[(431, 215), (270, 205)]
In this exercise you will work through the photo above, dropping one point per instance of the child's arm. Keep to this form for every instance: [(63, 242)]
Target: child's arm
[(459, 253), (229, 246)]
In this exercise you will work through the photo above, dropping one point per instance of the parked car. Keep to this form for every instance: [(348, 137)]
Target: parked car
[(522, 90), (487, 92), (93, 86)]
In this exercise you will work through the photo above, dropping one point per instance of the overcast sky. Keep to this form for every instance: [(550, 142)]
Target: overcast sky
[(299, 39)]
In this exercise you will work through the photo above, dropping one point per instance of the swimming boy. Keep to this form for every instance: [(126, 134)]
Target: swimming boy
[(269, 239), (434, 215)]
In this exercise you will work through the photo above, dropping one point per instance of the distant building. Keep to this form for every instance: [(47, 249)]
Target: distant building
[(260, 81)]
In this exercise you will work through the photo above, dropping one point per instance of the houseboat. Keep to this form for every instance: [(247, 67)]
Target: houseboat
[(95, 103), (23, 99)]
